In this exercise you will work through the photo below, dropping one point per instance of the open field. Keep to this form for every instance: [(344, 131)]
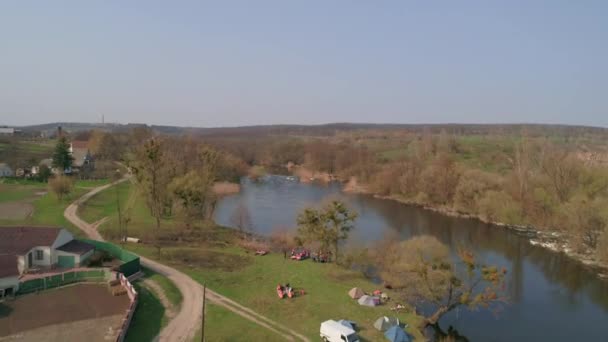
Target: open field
[(103, 204), (24, 153), (29, 203), (63, 305)]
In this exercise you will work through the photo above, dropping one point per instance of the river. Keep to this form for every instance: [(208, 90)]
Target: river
[(551, 297)]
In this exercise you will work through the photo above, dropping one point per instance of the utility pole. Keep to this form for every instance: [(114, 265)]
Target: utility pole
[(203, 319)]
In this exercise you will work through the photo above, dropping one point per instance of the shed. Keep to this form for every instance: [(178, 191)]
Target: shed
[(74, 253)]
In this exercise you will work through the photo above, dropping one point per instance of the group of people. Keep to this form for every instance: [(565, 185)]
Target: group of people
[(283, 290)]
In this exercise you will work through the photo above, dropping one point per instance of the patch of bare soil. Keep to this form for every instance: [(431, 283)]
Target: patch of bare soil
[(92, 330), (64, 305), (208, 259), (15, 210)]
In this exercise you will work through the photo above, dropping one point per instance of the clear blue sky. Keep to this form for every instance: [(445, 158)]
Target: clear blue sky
[(264, 62)]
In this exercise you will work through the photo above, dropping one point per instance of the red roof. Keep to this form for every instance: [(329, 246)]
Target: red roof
[(8, 266), (80, 144), (19, 240)]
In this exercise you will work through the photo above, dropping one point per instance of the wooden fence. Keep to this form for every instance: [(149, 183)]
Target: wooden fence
[(133, 297)]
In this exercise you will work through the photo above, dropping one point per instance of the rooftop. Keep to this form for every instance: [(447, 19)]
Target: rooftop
[(19, 240), (76, 247)]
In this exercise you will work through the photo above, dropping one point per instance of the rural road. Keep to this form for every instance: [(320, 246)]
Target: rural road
[(187, 321)]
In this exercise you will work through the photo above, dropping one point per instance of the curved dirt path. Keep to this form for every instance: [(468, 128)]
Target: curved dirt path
[(186, 322)]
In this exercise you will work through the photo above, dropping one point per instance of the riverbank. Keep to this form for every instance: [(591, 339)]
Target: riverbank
[(226, 188), (546, 238)]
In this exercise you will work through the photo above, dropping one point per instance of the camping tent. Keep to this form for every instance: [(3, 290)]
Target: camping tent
[(355, 293), (368, 300), (384, 323), (396, 334), (348, 324)]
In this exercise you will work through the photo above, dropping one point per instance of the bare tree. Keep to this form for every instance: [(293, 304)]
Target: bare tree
[(149, 171), (61, 186), (421, 270)]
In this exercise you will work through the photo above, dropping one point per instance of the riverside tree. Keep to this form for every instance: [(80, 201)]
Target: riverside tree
[(150, 170), (328, 226), (421, 270)]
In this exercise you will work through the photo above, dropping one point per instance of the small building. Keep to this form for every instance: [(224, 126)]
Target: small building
[(83, 159), (34, 249), (7, 131), (6, 171), (48, 162)]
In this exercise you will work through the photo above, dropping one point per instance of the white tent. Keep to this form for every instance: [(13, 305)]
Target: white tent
[(368, 300)]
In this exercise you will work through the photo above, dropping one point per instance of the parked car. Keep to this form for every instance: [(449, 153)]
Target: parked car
[(332, 331)]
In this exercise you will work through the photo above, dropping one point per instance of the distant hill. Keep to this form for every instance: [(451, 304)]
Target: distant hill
[(329, 129)]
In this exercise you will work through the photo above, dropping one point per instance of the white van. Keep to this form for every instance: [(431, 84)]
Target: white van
[(332, 331)]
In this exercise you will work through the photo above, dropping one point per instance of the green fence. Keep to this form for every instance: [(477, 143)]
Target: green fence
[(130, 261), (61, 279)]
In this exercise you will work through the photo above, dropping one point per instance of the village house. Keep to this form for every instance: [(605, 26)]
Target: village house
[(6, 171), (35, 249), (83, 160)]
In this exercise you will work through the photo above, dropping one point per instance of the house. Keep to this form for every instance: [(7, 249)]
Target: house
[(83, 160), (6, 171), (7, 131), (48, 162), (22, 172), (32, 249)]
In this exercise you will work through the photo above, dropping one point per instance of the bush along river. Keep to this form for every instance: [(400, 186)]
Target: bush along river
[(551, 296)]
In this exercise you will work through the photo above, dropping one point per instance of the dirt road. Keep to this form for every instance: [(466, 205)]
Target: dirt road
[(186, 323)]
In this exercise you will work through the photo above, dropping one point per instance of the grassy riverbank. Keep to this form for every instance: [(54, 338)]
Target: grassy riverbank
[(252, 280)]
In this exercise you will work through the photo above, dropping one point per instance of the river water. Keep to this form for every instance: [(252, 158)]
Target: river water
[(551, 298)]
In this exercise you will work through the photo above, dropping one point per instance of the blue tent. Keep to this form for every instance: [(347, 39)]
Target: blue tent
[(396, 334)]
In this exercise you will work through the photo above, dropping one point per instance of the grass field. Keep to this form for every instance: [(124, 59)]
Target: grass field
[(149, 317), (252, 281), (104, 203), (224, 325), (170, 290), (47, 210)]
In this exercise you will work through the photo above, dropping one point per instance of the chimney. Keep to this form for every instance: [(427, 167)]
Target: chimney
[(59, 132)]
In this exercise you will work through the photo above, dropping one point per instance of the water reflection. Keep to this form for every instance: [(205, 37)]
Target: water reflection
[(551, 296)]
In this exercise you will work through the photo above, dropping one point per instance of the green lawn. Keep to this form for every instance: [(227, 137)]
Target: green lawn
[(224, 325), (252, 281), (149, 317), (91, 183), (171, 291), (18, 192), (103, 204), (48, 210)]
